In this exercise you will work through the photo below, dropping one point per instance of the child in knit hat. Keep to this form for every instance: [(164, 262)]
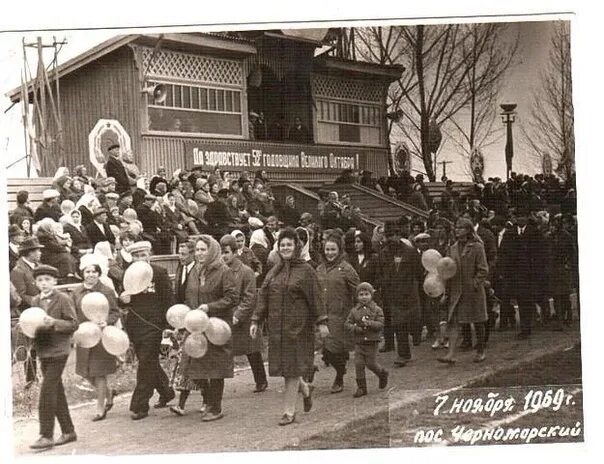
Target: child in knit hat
[(366, 322)]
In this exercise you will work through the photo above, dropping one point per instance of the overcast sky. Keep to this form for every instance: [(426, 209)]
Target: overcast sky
[(520, 82)]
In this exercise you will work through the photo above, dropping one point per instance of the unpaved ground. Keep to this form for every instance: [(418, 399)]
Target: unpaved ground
[(250, 421)]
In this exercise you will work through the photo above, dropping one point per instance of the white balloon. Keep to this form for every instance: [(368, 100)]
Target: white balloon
[(196, 345), (218, 331), (434, 285), (87, 335), (430, 259), (95, 307), (446, 268), (196, 321), (176, 315), (138, 277), (115, 341), (30, 320)]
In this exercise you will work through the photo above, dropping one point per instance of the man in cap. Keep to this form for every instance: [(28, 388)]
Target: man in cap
[(53, 345), (145, 323), (15, 237), (49, 207), (98, 230), (115, 168)]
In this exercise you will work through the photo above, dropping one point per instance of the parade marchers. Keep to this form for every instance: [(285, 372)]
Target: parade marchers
[(361, 290)]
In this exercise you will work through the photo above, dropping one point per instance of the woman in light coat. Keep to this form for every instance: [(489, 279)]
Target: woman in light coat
[(211, 287), (465, 292)]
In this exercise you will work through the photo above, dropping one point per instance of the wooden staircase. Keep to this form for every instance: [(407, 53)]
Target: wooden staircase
[(378, 207)]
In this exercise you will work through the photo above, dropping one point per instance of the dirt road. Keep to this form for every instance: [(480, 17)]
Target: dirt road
[(250, 421)]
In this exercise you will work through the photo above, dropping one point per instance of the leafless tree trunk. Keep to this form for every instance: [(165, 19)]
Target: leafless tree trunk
[(551, 125), (447, 66)]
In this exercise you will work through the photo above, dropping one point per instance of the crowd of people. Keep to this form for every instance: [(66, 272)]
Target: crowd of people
[(271, 270)]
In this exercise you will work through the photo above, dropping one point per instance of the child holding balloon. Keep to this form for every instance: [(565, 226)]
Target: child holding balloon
[(53, 344)]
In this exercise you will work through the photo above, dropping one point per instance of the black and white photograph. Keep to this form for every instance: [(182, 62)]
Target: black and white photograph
[(293, 236)]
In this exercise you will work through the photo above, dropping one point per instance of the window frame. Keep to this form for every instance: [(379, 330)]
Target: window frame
[(200, 85), (341, 107)]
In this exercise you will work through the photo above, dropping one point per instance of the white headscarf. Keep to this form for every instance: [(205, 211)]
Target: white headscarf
[(259, 237)]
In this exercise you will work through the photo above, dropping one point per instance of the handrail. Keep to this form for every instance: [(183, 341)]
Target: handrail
[(381, 196), (309, 193)]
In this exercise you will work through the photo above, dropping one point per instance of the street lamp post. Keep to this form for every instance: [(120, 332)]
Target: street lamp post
[(508, 117)]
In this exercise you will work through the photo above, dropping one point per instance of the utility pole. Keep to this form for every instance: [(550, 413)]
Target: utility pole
[(444, 165)]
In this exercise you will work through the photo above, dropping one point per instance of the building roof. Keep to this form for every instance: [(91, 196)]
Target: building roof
[(364, 69), (197, 40)]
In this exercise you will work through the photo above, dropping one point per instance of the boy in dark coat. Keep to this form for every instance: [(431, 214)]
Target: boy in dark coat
[(366, 322), (53, 344)]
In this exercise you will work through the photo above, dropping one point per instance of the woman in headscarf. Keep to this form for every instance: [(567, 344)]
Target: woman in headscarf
[(211, 288), (95, 364), (56, 251), (246, 255), (465, 292), (87, 204), (378, 239), (290, 302), (338, 281), (173, 217), (202, 196), (80, 244), (304, 237), (245, 281)]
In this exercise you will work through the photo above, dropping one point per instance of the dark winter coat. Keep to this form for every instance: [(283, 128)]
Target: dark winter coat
[(95, 235), (215, 287), (291, 304), (147, 311), (22, 277), (527, 263), (245, 281), (338, 281), (95, 362), (56, 341), (45, 210), (116, 169), (399, 285), (365, 323), (467, 299), (79, 239)]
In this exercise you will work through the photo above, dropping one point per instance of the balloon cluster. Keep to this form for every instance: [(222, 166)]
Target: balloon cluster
[(96, 308), (201, 328), (439, 270)]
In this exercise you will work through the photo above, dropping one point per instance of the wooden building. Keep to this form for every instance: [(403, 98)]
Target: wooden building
[(255, 100)]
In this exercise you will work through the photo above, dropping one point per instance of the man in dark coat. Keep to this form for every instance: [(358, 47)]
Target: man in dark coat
[(400, 275), (115, 168), (145, 323), (186, 258), (15, 237), (154, 228), (23, 208), (218, 216), (98, 230), (527, 270), (49, 206), (22, 277)]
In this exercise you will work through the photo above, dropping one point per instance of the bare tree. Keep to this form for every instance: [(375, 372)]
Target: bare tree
[(474, 128), (551, 125), (448, 67)]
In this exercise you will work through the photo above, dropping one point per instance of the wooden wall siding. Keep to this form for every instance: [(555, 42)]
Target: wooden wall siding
[(107, 88), (162, 151)]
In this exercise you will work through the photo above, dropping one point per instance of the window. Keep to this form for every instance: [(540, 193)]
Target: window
[(348, 122), (196, 109)]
